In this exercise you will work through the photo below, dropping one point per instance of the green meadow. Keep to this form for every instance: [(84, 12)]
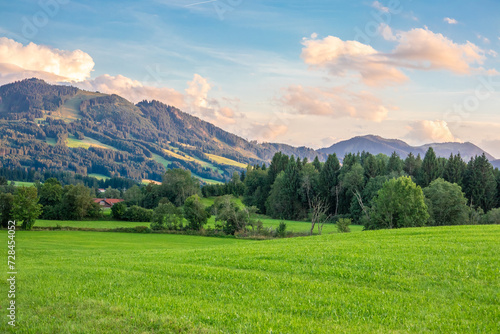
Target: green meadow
[(292, 226), (436, 280)]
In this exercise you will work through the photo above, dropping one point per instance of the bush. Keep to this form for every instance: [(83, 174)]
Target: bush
[(138, 214), (343, 225), (195, 213), (118, 210), (492, 217), (142, 229), (167, 216), (281, 230)]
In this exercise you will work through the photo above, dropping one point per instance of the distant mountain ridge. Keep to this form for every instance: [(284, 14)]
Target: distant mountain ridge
[(377, 144)]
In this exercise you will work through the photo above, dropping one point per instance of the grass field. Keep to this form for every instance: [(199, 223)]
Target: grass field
[(22, 184), (86, 143), (438, 280), (226, 161), (99, 176), (298, 227)]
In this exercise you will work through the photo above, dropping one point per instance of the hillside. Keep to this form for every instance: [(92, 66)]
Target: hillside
[(377, 144), (64, 128)]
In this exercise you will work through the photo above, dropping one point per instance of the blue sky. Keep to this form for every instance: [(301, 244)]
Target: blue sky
[(300, 72)]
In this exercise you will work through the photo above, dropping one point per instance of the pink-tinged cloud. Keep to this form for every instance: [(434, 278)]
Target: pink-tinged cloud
[(66, 66), (133, 90), (418, 49), (424, 132), (339, 57), (266, 132), (422, 49), (334, 103)]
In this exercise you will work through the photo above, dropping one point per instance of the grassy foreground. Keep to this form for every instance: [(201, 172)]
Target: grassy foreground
[(441, 279)]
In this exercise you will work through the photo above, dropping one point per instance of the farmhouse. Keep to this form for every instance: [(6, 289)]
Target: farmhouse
[(107, 202)]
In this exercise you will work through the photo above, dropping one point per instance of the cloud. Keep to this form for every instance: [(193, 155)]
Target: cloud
[(33, 59), (424, 132), (418, 49), (133, 90), (265, 132), (333, 103), (422, 49), (450, 20), (339, 57), (380, 7), (483, 39), (197, 91)]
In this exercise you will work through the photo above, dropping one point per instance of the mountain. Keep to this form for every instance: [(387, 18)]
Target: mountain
[(467, 150), (496, 163), (370, 143), (52, 127), (377, 144)]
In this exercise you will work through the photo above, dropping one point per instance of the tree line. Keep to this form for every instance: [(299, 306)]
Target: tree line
[(368, 188)]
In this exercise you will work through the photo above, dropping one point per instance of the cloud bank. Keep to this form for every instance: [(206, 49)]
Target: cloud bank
[(43, 61), (424, 132), (418, 49)]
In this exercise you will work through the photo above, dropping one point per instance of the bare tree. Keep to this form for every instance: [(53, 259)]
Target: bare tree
[(361, 204), (319, 214)]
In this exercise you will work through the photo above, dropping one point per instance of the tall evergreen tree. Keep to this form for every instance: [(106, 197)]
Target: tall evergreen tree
[(317, 164), (454, 169), (328, 179), (410, 165), (395, 164), (370, 165), (480, 183), (430, 168)]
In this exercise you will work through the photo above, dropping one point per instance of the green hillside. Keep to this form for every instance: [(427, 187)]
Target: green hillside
[(63, 128)]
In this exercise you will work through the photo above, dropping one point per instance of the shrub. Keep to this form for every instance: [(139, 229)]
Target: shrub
[(118, 210), (343, 225), (167, 216), (195, 213), (138, 214), (281, 230), (142, 229), (492, 217)]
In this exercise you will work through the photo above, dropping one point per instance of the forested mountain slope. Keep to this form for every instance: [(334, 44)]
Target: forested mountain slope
[(64, 128)]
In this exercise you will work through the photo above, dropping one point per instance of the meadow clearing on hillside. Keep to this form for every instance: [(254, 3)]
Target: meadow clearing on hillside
[(437, 279)]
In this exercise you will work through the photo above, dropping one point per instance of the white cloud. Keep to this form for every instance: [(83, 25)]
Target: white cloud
[(419, 49), (333, 103), (485, 40), (450, 20), (66, 66), (424, 132), (197, 91)]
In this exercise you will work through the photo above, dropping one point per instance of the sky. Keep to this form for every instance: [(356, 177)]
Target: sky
[(305, 73)]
